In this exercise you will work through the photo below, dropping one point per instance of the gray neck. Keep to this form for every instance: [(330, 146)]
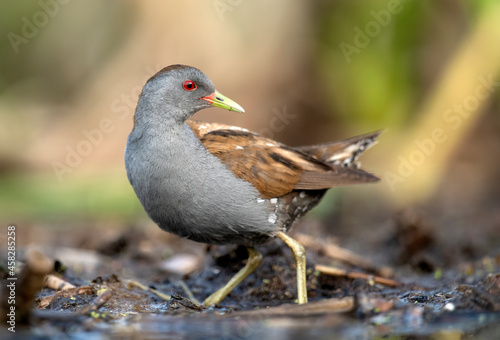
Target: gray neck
[(150, 114)]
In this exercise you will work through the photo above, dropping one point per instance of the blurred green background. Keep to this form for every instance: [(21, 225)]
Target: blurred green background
[(426, 71)]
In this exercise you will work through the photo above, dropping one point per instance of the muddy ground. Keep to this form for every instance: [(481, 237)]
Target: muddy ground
[(437, 286)]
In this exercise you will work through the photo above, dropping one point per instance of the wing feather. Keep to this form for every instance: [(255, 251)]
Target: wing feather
[(275, 169)]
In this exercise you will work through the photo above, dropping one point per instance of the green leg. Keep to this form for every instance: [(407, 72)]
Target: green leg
[(300, 257), (254, 260)]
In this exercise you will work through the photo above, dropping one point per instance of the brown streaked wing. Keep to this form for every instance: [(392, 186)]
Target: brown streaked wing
[(274, 169), (202, 128), (257, 160)]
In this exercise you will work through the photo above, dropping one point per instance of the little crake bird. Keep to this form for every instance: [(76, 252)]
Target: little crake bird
[(221, 184)]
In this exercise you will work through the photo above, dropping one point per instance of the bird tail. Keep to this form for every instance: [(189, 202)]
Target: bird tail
[(342, 153)]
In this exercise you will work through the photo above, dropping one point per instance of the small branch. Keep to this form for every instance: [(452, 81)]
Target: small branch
[(97, 303), (56, 283), (188, 292), (342, 305), (130, 284), (47, 300), (335, 252), (185, 302), (353, 275)]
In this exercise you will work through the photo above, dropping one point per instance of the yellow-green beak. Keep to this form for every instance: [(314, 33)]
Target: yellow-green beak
[(219, 100)]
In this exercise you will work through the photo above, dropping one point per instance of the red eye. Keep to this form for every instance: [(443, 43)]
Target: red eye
[(189, 85)]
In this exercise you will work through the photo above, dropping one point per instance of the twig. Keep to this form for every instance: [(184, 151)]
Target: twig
[(132, 283), (353, 275), (47, 300), (188, 292), (342, 305), (56, 283), (335, 252), (185, 302), (97, 303)]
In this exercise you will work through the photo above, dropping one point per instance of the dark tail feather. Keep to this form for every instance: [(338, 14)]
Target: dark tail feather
[(342, 153)]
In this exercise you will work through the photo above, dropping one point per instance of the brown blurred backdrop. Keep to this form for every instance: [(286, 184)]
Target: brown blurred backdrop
[(305, 72)]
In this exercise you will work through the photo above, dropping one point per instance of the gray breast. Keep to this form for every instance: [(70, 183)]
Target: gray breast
[(188, 192)]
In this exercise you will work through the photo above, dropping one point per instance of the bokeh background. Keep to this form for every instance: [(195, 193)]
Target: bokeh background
[(305, 71)]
